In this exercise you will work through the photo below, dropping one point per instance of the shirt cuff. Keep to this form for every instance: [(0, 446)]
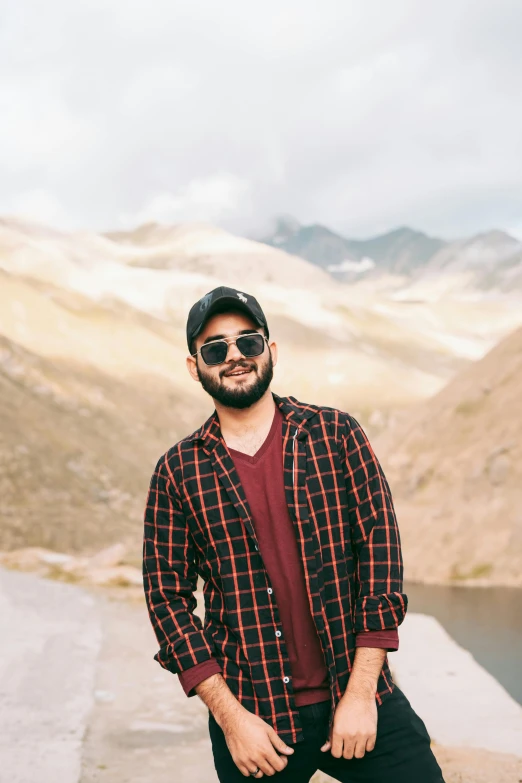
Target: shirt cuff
[(387, 640), (193, 676)]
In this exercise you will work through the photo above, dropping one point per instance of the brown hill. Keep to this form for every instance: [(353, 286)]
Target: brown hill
[(77, 447), (486, 262), (93, 386), (456, 475), (338, 350), (90, 396), (91, 393)]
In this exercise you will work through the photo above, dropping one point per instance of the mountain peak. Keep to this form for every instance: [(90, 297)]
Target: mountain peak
[(410, 232), (285, 227), (398, 251), (496, 237)]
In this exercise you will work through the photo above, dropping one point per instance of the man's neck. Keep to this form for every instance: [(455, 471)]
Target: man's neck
[(235, 423)]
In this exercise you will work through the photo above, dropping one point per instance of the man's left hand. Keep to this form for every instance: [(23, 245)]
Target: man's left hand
[(354, 728)]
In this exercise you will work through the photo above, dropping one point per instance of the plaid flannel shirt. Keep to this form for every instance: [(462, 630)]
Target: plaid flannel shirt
[(197, 521)]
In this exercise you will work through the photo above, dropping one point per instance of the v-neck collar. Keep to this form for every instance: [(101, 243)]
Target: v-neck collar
[(253, 459), (295, 413)]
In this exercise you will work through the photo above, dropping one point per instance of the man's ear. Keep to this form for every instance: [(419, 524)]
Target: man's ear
[(192, 368), (272, 345)]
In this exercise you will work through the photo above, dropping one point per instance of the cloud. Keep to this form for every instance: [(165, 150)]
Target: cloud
[(42, 207), (209, 200), (363, 116)]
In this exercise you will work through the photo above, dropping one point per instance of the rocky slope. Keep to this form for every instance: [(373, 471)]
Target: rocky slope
[(455, 468), (90, 396), (398, 252), (157, 272), (490, 262), (407, 262), (93, 384), (77, 448)]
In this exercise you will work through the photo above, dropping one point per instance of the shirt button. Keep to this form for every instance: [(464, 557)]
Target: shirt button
[(269, 590), (286, 679), (278, 633)]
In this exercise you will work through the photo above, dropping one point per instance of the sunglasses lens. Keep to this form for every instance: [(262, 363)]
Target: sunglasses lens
[(251, 344), (248, 344), (214, 353)]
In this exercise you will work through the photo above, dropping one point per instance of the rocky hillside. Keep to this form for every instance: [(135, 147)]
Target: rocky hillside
[(477, 254), (86, 408), (398, 252), (157, 272), (93, 384), (455, 468), (410, 263), (490, 262)]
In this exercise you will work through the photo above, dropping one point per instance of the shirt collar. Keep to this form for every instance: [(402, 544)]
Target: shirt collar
[(295, 412)]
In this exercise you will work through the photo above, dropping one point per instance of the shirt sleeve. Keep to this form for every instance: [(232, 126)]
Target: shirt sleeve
[(380, 602), (192, 677), (170, 577), (386, 640)]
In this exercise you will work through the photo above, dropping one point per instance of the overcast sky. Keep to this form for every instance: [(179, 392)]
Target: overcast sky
[(360, 115)]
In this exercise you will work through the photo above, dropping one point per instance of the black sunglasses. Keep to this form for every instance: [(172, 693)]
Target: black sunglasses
[(215, 352)]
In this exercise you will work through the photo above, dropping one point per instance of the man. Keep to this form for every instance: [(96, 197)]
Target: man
[(283, 510)]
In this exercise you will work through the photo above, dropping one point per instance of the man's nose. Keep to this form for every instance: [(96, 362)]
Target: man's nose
[(233, 354)]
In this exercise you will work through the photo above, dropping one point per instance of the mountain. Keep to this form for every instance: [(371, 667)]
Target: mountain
[(159, 271), (209, 250), (487, 262), (506, 276), (90, 395), (478, 253), (455, 470), (93, 384), (397, 252), (409, 264), (73, 449), (314, 243)]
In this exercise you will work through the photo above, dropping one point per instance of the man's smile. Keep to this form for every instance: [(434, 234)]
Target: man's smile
[(238, 371)]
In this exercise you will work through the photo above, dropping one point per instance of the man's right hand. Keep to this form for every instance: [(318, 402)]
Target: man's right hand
[(253, 743)]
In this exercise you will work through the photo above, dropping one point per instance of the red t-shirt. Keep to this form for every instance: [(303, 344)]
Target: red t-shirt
[(262, 480), (261, 476)]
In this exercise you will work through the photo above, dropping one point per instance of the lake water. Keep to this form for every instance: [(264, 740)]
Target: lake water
[(487, 621)]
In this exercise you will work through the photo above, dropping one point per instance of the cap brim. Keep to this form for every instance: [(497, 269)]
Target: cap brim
[(221, 304)]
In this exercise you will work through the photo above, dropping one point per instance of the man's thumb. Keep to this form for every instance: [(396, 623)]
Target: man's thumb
[(279, 744), (327, 745)]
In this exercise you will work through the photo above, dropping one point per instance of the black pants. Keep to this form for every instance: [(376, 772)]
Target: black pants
[(402, 752)]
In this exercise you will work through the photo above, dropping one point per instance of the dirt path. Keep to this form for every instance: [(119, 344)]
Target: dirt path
[(142, 728), (50, 636)]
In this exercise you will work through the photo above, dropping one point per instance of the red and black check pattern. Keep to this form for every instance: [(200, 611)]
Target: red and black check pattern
[(197, 521)]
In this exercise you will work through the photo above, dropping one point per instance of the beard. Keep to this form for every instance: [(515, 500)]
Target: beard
[(239, 397)]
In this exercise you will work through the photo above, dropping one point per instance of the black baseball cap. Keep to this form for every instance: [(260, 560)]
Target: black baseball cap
[(218, 300)]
